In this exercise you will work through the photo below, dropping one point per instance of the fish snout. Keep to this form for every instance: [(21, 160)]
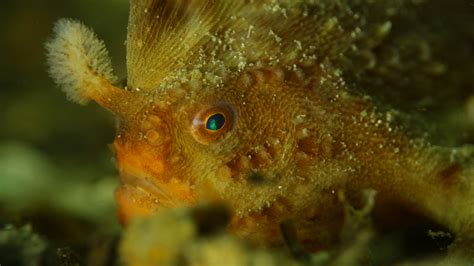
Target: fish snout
[(146, 186), (140, 197)]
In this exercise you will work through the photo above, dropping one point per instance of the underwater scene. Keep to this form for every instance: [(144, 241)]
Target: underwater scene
[(237, 132)]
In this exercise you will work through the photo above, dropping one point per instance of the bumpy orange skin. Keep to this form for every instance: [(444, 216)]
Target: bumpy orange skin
[(289, 153), (140, 195)]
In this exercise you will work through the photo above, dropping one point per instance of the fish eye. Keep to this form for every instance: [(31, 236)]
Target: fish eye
[(213, 123)]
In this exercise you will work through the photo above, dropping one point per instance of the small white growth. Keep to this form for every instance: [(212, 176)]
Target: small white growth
[(384, 29), (278, 39), (78, 61), (250, 31), (299, 45)]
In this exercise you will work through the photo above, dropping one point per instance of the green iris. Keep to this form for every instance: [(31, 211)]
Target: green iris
[(215, 122)]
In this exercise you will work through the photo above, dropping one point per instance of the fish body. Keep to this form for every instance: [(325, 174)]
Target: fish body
[(260, 105)]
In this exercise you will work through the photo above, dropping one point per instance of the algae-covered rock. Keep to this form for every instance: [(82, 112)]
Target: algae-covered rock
[(20, 246), (182, 237)]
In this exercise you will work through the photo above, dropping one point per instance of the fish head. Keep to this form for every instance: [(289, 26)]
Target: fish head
[(233, 144)]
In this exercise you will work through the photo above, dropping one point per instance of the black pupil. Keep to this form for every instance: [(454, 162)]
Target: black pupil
[(215, 122)]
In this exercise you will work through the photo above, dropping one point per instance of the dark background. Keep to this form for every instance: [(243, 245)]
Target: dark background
[(56, 170)]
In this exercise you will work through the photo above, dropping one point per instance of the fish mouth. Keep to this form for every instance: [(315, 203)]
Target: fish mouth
[(142, 196), (144, 184)]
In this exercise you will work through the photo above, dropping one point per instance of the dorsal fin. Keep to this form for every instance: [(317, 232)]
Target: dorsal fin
[(175, 41), (163, 35)]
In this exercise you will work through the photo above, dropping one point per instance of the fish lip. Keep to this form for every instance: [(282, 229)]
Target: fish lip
[(146, 185), (162, 193)]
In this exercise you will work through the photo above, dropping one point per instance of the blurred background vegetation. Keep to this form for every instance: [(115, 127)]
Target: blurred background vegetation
[(56, 171)]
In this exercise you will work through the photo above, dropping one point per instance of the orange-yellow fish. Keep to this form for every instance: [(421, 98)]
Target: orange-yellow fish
[(263, 105)]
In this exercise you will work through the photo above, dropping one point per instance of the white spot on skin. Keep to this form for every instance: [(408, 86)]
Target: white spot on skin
[(300, 118), (298, 44)]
